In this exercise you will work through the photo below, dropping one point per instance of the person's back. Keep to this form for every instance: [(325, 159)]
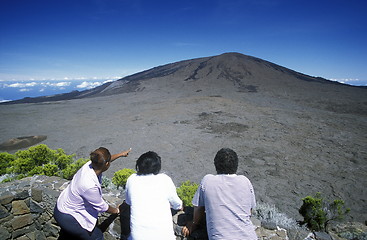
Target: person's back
[(150, 195), (228, 200)]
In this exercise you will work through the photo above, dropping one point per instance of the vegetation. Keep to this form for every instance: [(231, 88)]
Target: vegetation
[(106, 182), (120, 177), (186, 192), (318, 213), (269, 213), (5, 159), (71, 169), (39, 160)]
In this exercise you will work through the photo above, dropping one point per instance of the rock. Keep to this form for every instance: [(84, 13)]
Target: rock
[(322, 236), (269, 225), (21, 142), (19, 207), (4, 233), (21, 221)]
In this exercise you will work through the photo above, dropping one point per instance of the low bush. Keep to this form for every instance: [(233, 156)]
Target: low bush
[(186, 192), (318, 212), (120, 177), (71, 169), (5, 160), (39, 160)]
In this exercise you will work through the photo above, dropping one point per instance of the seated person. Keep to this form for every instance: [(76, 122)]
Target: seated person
[(225, 200), (79, 204), (151, 195)]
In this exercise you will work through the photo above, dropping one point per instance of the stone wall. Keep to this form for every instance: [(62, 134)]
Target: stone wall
[(26, 209), (26, 213)]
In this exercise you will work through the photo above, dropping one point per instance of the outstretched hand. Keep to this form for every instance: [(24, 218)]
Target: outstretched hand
[(125, 153), (121, 154)]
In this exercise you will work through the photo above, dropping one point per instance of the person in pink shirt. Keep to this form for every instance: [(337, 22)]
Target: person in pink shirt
[(79, 204)]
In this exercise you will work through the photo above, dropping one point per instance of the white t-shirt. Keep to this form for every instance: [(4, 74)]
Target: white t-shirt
[(228, 200), (151, 198)]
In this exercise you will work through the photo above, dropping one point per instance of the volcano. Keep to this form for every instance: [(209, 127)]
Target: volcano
[(295, 134)]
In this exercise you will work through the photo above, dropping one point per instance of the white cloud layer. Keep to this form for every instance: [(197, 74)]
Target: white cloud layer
[(21, 85), (24, 90), (351, 81), (89, 85)]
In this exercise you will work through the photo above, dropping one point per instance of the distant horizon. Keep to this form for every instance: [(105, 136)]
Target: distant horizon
[(11, 90), (14, 90)]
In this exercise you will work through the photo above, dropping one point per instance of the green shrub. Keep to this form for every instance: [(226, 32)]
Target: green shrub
[(63, 160), (186, 192), (39, 160), (318, 213), (120, 177), (71, 169), (5, 160)]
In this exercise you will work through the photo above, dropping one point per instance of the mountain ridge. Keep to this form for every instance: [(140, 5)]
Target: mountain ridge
[(246, 72)]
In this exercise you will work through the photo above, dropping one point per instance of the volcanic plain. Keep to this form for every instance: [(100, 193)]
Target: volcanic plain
[(295, 134)]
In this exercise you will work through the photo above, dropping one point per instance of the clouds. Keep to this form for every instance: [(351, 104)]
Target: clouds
[(351, 81), (25, 86), (13, 90), (21, 85), (89, 85)]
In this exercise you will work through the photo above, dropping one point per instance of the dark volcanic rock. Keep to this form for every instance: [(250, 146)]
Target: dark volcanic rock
[(21, 142)]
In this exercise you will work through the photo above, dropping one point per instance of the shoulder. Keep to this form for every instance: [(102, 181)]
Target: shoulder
[(132, 177), (86, 178), (208, 178), (164, 177), (241, 179)]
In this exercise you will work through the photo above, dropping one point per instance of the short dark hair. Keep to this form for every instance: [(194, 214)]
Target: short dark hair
[(100, 156), (147, 163), (226, 161)]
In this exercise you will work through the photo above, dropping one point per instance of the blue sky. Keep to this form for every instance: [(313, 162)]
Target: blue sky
[(106, 39)]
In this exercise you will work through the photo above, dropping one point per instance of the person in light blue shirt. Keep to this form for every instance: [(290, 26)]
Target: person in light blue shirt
[(226, 200)]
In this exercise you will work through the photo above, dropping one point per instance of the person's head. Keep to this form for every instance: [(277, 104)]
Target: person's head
[(148, 163), (226, 161), (101, 159)]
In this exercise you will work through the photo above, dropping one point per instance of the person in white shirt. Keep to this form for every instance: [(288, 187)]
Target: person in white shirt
[(151, 195)]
